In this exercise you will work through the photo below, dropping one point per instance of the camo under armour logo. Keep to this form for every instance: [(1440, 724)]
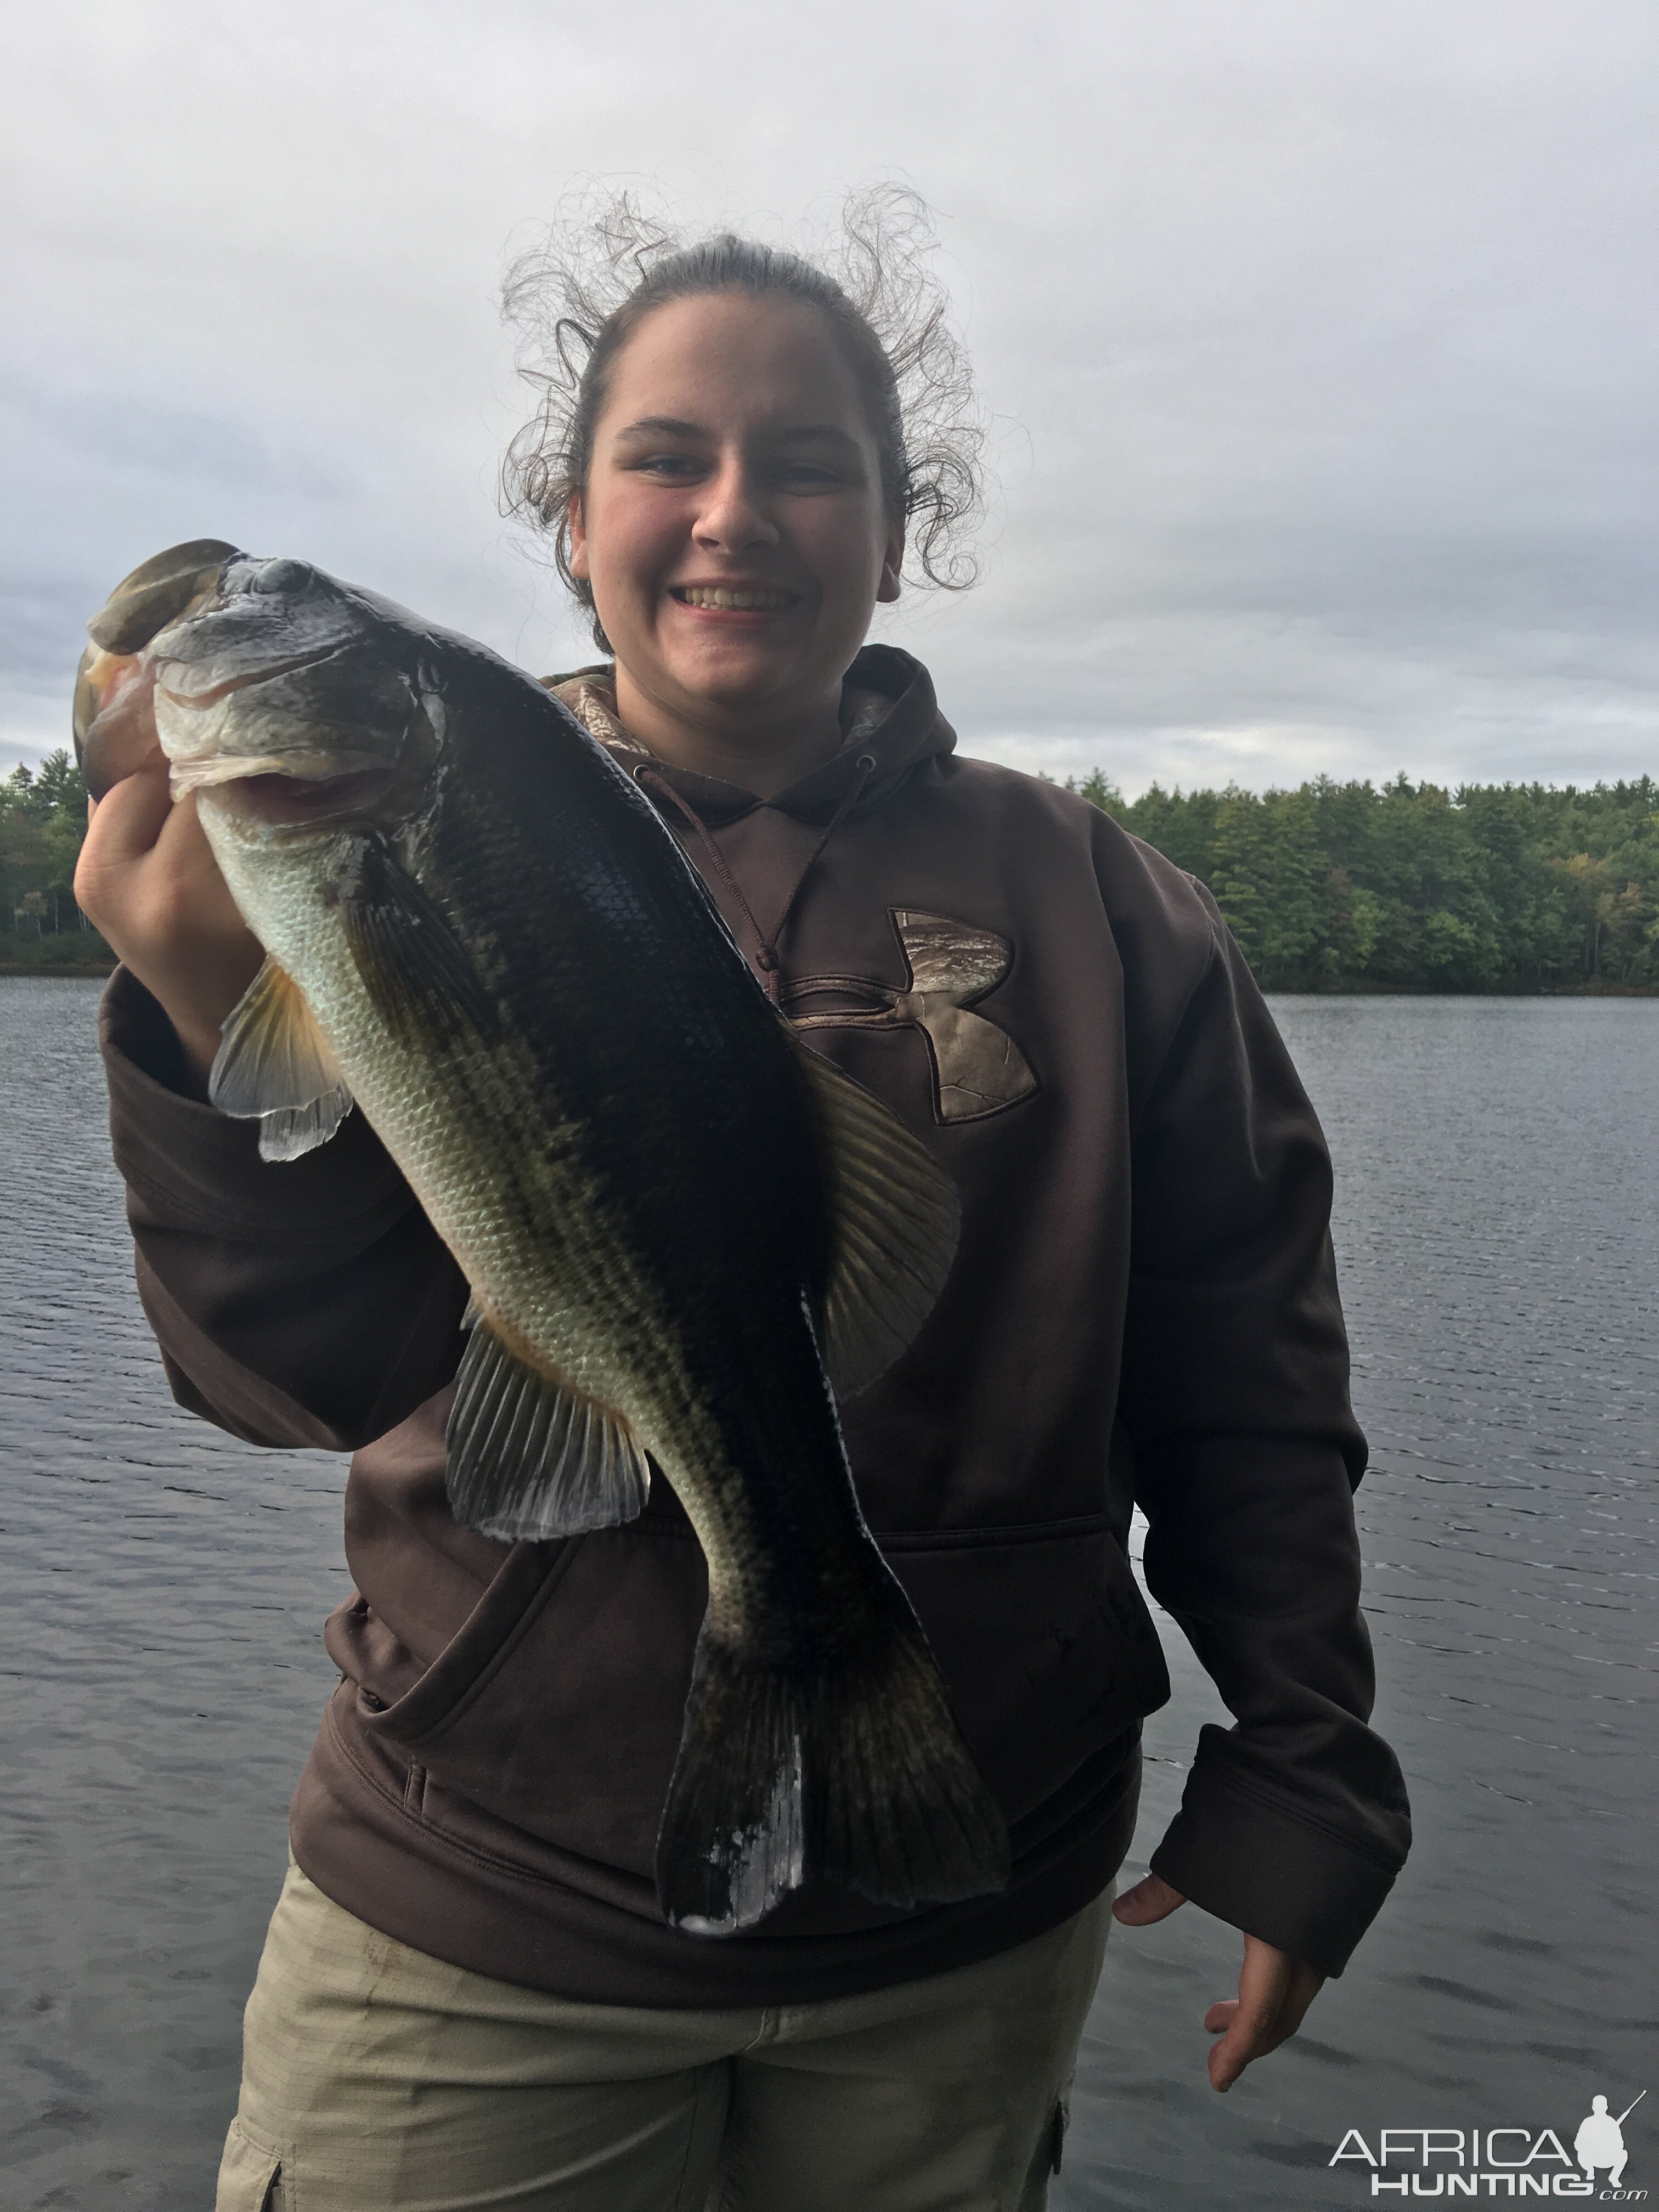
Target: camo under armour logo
[(978, 1069)]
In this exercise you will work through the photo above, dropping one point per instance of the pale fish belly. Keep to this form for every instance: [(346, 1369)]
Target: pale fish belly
[(504, 1185)]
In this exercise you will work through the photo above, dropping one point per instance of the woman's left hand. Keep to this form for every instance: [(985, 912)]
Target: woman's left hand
[(1275, 1989)]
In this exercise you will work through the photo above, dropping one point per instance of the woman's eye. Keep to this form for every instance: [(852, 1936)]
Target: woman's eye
[(678, 466)]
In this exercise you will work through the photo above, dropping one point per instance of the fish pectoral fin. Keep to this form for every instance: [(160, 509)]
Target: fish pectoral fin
[(274, 1065), (413, 966), (893, 1224), (532, 1457)]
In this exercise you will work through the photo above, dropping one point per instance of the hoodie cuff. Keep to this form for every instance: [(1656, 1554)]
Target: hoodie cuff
[(188, 1166), (1269, 1869)]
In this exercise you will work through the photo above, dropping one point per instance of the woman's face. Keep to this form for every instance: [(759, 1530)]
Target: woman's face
[(732, 526)]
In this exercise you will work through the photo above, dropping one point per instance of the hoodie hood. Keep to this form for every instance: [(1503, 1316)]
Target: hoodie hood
[(889, 714)]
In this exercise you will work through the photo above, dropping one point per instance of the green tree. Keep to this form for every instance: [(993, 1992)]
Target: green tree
[(1269, 880), (43, 822)]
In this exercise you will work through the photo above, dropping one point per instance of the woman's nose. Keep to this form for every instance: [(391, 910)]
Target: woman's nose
[(734, 516)]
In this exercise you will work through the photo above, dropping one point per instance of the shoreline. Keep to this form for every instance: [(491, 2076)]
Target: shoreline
[(98, 965), (103, 965), (1596, 989)]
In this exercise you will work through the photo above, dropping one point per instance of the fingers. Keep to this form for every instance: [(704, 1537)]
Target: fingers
[(1148, 1900), (1248, 2028), (121, 830), (1275, 1989), (1274, 1992), (126, 822)]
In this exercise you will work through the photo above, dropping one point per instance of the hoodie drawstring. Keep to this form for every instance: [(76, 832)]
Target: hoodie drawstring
[(766, 946)]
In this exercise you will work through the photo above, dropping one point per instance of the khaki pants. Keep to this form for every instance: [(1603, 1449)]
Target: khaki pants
[(376, 2078)]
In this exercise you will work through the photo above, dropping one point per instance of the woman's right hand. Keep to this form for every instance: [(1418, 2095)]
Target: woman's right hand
[(147, 878)]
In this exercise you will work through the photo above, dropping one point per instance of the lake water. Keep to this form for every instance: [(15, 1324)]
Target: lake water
[(163, 1589)]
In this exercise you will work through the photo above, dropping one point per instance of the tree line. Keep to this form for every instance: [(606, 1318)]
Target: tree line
[(43, 820), (1412, 887), (1332, 886)]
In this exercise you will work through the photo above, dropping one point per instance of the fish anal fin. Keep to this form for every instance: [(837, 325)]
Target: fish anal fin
[(275, 1066), (893, 1224), (533, 1457), (413, 966)]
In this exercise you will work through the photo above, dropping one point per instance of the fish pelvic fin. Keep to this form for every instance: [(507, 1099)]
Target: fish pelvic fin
[(857, 1774), (274, 1065), (531, 1457), (894, 1218)]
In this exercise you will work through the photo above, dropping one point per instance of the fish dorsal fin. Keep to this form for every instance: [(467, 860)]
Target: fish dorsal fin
[(274, 1065), (893, 1224), (532, 1457)]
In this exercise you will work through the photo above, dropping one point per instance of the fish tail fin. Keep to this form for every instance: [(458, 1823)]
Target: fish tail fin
[(732, 1840), (857, 1773)]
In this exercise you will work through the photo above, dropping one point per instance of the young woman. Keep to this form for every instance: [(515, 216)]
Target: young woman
[(467, 1995)]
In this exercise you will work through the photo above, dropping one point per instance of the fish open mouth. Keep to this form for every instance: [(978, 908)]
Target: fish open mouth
[(292, 790), (277, 797)]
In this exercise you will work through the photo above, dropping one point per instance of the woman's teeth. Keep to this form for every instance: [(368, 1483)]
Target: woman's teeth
[(695, 595)]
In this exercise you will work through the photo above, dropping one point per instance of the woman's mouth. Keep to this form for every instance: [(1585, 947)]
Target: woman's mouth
[(734, 599)]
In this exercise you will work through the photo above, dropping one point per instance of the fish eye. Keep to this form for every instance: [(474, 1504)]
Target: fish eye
[(281, 576)]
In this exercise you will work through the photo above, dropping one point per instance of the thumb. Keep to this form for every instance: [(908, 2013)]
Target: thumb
[(1148, 1900)]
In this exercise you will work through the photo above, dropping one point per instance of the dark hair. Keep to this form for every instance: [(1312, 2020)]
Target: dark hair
[(605, 263)]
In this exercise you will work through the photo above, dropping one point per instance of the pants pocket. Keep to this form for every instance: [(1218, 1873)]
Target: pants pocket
[(250, 2175), (1059, 2121)]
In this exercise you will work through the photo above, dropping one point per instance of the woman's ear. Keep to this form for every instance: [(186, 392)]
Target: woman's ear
[(578, 529), (892, 565)]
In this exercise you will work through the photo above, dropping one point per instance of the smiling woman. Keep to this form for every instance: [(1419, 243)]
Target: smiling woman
[(735, 530), (469, 1993)]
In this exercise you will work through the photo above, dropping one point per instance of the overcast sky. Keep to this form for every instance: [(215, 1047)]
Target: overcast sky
[(1320, 339)]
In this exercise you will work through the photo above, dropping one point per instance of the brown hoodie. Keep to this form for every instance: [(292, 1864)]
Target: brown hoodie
[(1143, 1308)]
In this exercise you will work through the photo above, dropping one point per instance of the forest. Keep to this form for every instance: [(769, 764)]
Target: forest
[(43, 819), (1412, 887), (1331, 887)]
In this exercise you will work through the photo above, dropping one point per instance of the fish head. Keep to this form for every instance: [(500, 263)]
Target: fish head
[(296, 704)]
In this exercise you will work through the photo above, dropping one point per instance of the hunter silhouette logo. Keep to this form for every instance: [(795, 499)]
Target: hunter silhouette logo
[(1600, 2141), (978, 1069), (1499, 2161)]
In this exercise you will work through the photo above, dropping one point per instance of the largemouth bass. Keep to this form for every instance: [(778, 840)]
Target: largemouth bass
[(684, 1231)]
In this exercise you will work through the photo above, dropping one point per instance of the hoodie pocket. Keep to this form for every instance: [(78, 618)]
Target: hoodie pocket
[(405, 1700), (558, 1709), (1044, 1641)]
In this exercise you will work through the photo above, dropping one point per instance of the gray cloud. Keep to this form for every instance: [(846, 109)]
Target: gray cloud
[(1321, 342)]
